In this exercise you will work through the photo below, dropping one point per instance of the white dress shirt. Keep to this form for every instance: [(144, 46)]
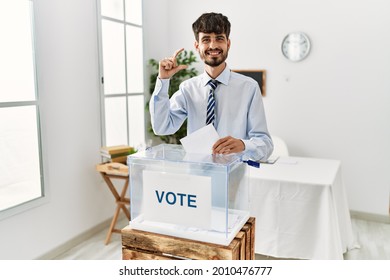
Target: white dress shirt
[(239, 110)]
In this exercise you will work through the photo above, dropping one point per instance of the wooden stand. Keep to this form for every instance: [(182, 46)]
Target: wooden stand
[(116, 171), (141, 245)]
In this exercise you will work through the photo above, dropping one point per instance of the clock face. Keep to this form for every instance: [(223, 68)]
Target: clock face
[(296, 46)]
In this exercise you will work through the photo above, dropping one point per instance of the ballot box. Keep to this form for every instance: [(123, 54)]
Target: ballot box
[(193, 196)]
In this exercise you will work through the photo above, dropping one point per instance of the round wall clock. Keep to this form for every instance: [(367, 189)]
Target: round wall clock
[(296, 46)]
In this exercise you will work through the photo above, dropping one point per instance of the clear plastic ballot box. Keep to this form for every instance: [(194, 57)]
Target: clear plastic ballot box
[(193, 196)]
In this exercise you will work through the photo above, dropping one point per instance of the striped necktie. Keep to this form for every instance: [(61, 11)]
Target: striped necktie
[(210, 117)]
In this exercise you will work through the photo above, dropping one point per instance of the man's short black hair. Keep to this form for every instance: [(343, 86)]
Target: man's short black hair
[(211, 23)]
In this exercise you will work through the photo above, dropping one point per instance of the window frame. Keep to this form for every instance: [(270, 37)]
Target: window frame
[(32, 203), (126, 94)]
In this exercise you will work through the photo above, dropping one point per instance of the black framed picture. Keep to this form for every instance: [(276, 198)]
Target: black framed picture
[(258, 75)]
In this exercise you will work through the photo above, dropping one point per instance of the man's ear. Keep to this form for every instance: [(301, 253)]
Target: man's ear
[(228, 44), (196, 45)]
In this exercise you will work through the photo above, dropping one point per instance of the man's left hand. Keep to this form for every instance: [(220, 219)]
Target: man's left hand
[(228, 145)]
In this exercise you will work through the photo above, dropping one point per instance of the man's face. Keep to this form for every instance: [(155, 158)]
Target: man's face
[(212, 48)]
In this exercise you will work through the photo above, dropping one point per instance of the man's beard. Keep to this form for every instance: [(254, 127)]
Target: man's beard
[(214, 61)]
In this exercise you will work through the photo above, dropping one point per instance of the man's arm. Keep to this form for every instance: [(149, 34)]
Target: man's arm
[(166, 119), (258, 143), (258, 147), (166, 115)]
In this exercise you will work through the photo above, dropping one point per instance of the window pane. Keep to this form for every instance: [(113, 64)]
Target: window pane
[(112, 8), (135, 74), (113, 57), (19, 150), (134, 11), (136, 120), (16, 52), (116, 121)]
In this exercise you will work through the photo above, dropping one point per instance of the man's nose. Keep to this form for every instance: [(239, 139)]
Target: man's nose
[(213, 44)]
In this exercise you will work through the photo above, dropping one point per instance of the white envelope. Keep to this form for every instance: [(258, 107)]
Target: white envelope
[(200, 141)]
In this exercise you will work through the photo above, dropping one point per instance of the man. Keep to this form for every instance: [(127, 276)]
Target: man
[(233, 103)]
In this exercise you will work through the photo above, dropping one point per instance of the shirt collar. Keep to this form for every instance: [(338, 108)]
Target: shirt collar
[(223, 78)]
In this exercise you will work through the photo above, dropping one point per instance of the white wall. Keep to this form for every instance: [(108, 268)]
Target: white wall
[(331, 105), (66, 38), (335, 103)]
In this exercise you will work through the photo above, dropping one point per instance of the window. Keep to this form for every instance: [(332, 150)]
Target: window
[(122, 72), (21, 176)]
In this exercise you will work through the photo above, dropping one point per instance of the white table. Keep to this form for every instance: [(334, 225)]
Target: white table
[(301, 209)]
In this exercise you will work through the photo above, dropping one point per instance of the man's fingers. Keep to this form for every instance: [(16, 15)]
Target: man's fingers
[(166, 64), (169, 67), (228, 145), (182, 67), (220, 145), (220, 141), (176, 53), (174, 57)]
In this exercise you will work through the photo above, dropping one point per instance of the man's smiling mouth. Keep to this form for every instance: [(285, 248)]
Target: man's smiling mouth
[(214, 52)]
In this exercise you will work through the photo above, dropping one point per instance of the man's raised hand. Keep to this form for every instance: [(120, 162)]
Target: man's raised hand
[(168, 66)]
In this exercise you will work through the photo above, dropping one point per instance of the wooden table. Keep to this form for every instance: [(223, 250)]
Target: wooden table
[(142, 245), (119, 171)]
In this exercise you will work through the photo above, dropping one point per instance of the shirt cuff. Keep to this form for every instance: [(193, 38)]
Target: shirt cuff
[(251, 149), (162, 85), (248, 145)]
